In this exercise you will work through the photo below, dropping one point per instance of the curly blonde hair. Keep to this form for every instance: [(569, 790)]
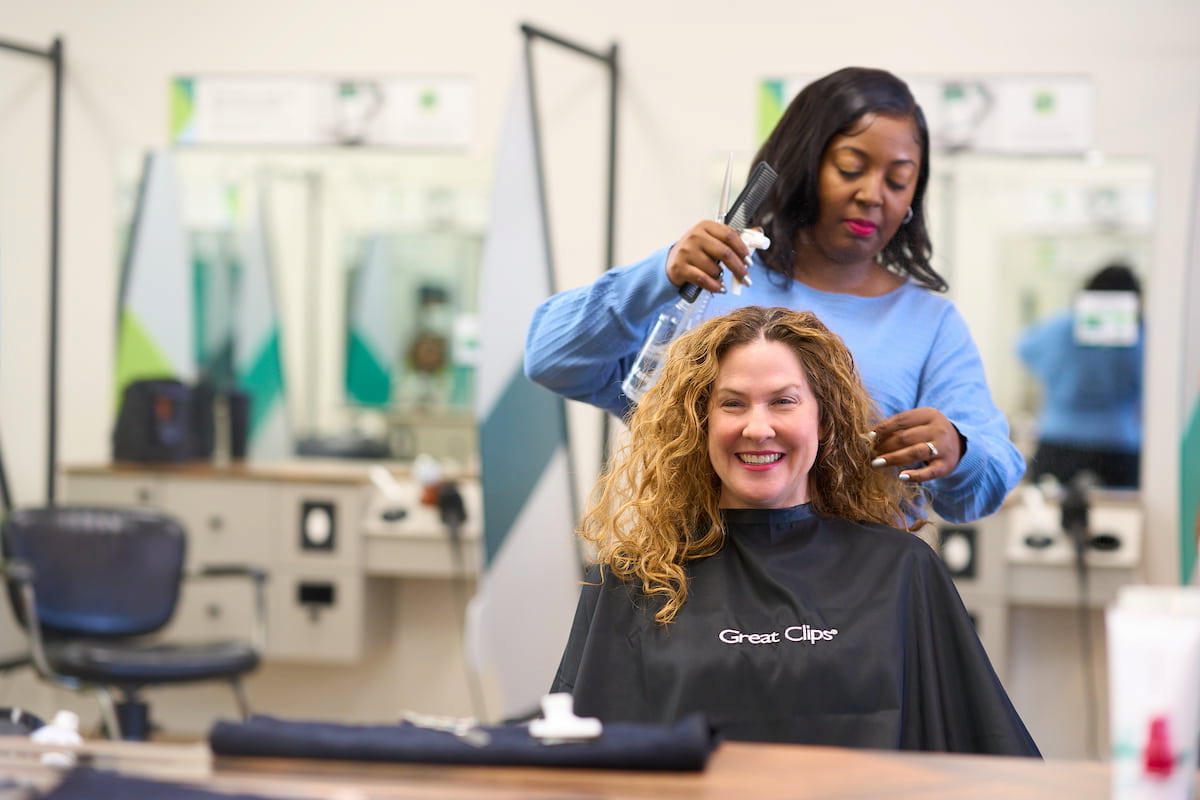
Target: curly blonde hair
[(656, 506)]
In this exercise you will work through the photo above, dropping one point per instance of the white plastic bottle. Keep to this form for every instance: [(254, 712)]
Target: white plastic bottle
[(62, 730)]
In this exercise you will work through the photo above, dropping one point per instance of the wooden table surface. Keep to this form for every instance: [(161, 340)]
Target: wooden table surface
[(736, 770)]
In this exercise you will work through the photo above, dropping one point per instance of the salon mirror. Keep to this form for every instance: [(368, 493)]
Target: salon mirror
[(373, 256), (1018, 236)]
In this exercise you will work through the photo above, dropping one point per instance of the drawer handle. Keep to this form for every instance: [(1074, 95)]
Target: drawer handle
[(316, 597), (213, 610), (216, 524)]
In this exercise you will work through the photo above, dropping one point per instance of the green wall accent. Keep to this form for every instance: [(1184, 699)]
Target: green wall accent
[(1189, 493), (367, 380), (263, 380), (524, 428), (182, 105), (138, 355), (770, 107)]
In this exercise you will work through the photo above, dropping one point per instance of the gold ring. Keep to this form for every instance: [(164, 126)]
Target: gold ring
[(933, 451)]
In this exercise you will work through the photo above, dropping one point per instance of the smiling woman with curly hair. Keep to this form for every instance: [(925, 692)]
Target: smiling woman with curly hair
[(659, 505), (753, 566)]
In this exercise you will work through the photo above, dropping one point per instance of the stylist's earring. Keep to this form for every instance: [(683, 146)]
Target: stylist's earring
[(907, 217)]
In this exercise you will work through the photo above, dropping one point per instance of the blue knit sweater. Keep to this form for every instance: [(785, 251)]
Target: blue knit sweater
[(1092, 396), (912, 347)]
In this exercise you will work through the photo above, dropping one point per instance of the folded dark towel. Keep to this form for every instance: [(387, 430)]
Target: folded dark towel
[(86, 783), (683, 746)]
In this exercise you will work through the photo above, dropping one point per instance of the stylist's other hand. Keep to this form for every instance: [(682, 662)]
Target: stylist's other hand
[(921, 440), (697, 257)]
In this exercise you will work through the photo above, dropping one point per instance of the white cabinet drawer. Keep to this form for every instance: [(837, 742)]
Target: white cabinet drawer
[(315, 615), (212, 609), (226, 521), (113, 490)]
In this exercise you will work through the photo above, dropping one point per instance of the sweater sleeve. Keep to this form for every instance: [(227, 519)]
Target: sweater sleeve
[(582, 342), (956, 385)]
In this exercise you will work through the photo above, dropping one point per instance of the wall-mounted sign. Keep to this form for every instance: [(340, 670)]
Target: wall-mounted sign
[(1106, 319), (434, 112), (1017, 114)]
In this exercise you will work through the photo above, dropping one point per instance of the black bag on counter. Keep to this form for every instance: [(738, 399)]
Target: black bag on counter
[(164, 420)]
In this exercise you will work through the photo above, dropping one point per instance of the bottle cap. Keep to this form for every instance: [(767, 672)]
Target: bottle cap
[(559, 723), (1158, 759), (65, 719)]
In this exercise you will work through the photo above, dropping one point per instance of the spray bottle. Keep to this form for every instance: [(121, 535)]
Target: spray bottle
[(689, 309)]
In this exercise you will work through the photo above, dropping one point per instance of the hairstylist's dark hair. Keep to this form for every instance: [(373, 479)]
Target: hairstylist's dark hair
[(828, 107), (1116, 277)]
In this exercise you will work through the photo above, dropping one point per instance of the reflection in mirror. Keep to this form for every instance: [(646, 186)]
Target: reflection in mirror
[(1087, 360), (1017, 238), (374, 261)]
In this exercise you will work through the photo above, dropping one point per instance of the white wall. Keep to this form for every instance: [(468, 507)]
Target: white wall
[(689, 72), (688, 76)]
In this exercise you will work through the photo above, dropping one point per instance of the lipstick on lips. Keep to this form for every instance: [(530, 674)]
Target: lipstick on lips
[(861, 227), (760, 461)]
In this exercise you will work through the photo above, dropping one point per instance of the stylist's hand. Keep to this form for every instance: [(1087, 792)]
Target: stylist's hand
[(922, 437), (697, 257)]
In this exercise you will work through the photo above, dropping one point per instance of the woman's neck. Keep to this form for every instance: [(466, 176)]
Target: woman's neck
[(863, 278)]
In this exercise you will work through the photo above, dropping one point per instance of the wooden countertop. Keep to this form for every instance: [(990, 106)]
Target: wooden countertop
[(736, 770), (295, 471)]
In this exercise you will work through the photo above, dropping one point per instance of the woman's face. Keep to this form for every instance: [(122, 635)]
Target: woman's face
[(866, 185), (763, 427)]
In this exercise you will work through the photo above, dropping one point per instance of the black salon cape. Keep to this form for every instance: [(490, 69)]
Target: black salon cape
[(801, 629)]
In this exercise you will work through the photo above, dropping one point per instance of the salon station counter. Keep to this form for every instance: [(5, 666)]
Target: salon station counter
[(367, 606)]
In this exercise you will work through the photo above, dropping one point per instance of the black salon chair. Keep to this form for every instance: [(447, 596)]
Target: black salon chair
[(93, 586)]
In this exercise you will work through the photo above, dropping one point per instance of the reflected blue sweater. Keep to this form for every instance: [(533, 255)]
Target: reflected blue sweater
[(1092, 396), (912, 347)]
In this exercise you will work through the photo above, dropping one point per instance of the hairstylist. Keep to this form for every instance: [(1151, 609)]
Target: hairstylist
[(846, 221)]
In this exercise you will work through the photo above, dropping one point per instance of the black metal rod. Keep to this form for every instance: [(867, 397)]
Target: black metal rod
[(26, 49), (611, 60), (5, 497), (56, 57), (539, 162), (610, 232), (610, 243), (539, 175), (610, 223), (531, 31)]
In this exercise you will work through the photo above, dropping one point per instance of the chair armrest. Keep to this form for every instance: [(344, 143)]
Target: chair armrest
[(230, 570), (18, 570), (21, 573), (258, 634)]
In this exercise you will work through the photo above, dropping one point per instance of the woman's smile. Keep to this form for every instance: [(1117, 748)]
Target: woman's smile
[(760, 460), (763, 427)]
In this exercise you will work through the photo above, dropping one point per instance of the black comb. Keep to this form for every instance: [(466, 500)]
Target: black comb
[(744, 207)]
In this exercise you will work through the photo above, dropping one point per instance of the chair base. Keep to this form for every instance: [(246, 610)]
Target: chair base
[(133, 718), (16, 662)]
